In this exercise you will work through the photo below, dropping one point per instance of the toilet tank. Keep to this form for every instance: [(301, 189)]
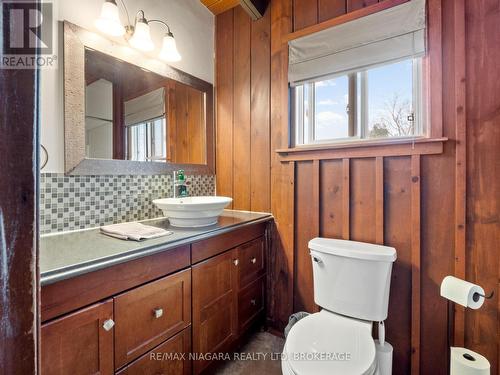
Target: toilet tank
[(352, 278)]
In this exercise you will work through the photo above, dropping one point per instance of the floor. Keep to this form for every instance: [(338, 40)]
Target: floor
[(261, 355)]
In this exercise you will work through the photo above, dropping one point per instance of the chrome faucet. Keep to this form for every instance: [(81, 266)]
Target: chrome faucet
[(179, 184)]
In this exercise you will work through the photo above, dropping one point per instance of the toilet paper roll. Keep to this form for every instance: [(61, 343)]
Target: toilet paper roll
[(466, 362), (462, 292)]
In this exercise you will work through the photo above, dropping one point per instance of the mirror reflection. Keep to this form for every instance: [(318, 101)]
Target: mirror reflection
[(135, 114)]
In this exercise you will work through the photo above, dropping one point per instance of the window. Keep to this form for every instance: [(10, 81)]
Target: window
[(383, 101), (147, 141)]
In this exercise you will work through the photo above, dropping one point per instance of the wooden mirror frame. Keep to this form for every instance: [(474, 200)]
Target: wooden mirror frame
[(76, 40)]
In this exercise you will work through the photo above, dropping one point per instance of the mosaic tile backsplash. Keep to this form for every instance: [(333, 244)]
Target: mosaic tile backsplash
[(79, 202)]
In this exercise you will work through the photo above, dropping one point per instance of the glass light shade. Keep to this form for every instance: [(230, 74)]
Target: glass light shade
[(169, 49), (109, 20), (141, 39)]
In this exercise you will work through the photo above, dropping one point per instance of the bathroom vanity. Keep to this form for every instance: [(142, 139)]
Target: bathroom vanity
[(111, 306)]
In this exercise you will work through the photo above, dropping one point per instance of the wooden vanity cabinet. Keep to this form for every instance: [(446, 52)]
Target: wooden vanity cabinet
[(150, 314), (153, 315), (214, 306), (80, 343), (169, 358), (228, 296)]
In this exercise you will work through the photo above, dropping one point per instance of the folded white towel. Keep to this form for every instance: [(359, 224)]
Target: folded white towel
[(134, 231)]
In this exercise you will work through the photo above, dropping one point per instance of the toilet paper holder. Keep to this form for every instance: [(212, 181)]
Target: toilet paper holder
[(476, 296)]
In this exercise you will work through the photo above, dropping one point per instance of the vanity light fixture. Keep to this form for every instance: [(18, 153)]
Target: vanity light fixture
[(137, 35)]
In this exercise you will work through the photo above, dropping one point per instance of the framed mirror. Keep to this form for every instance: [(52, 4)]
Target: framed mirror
[(125, 113)]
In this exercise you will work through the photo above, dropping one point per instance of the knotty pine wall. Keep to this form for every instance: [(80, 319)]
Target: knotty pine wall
[(409, 198)]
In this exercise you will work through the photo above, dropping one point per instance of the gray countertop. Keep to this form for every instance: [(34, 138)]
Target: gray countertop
[(69, 254)]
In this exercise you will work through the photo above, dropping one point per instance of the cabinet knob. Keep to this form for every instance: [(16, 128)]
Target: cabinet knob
[(253, 260), (158, 313), (108, 324), (253, 302), (236, 262)]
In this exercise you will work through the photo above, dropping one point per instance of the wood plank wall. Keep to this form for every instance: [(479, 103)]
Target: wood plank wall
[(414, 202), (483, 174), (242, 109)]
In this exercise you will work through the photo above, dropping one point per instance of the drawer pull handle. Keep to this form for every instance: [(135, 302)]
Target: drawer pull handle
[(236, 262), (253, 302), (158, 313), (108, 324), (253, 260)]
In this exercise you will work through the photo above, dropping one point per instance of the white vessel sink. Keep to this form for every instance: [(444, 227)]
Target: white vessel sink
[(191, 212)]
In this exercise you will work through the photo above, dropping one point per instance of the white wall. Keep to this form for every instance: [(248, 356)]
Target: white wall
[(191, 23)]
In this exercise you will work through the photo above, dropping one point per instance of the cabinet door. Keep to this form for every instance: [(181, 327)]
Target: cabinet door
[(79, 343), (169, 358), (214, 306), (150, 314), (252, 264)]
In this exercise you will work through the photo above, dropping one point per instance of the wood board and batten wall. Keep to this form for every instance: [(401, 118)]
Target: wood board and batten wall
[(412, 197)]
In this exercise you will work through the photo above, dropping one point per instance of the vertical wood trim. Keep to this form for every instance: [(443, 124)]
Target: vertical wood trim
[(460, 161), (282, 181), (260, 159), (415, 261), (19, 279), (242, 150), (224, 103), (346, 188), (434, 67), (316, 195), (379, 200)]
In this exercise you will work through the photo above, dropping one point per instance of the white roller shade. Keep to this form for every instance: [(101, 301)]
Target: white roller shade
[(146, 107), (389, 35)]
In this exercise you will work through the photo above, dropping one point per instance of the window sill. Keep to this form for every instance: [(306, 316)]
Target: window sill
[(364, 149)]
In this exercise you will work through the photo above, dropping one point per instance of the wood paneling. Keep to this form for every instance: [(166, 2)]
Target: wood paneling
[(410, 196), (482, 327), (397, 233), (260, 155), (331, 192), (241, 110), (353, 5), (305, 13), (187, 134), (243, 115), (224, 103), (362, 200), (307, 223), (328, 9)]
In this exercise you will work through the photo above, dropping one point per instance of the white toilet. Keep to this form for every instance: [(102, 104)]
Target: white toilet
[(351, 285)]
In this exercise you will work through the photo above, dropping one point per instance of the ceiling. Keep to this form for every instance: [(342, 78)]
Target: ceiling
[(219, 6)]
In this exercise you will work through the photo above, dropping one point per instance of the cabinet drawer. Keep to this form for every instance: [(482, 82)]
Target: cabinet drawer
[(78, 343), (169, 358), (250, 303), (251, 261), (150, 314)]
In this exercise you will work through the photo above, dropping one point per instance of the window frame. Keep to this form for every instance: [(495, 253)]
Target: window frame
[(358, 114), (149, 130)]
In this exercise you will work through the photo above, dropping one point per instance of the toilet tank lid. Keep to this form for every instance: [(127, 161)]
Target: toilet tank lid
[(353, 249)]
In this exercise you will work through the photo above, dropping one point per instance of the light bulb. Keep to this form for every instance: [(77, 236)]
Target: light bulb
[(141, 39), (169, 50), (109, 20)]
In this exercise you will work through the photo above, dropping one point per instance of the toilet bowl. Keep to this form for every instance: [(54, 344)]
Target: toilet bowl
[(326, 343), (351, 284)]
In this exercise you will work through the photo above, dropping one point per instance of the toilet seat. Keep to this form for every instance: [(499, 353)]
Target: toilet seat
[(328, 344)]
